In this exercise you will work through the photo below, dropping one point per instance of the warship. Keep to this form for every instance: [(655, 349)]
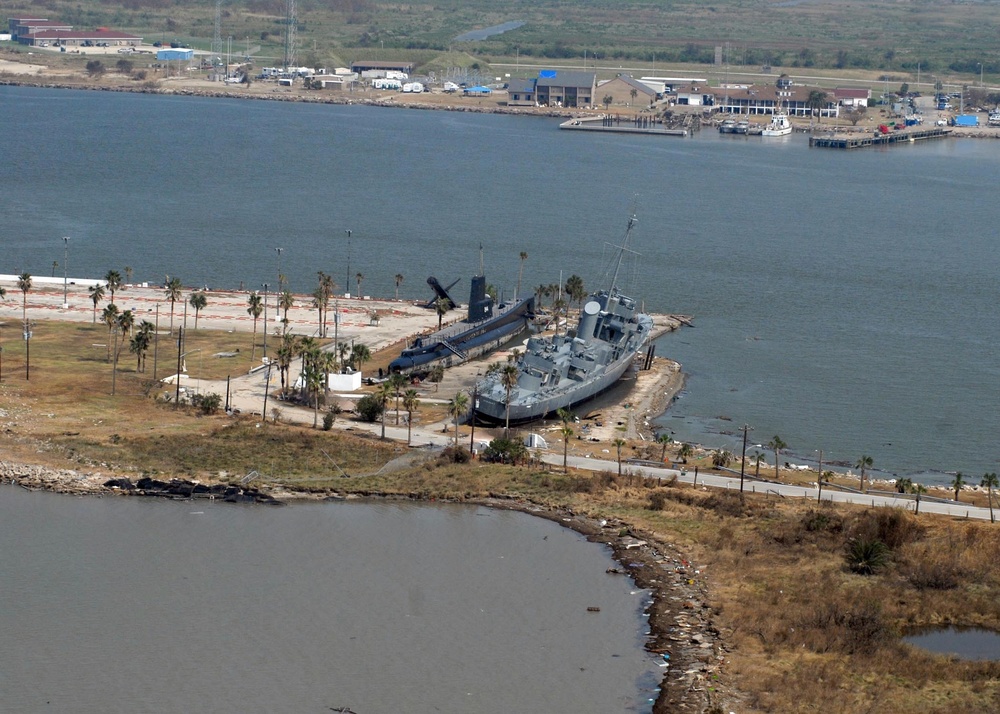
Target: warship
[(562, 371), (486, 327)]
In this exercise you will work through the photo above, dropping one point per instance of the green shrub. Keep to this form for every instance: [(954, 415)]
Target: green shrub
[(866, 556), (369, 408)]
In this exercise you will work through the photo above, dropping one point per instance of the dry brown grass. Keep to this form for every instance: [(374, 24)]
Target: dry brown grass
[(802, 632)]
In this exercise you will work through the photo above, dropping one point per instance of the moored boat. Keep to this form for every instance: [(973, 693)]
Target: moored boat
[(779, 126)]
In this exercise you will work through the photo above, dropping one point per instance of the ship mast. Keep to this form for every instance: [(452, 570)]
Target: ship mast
[(621, 251)]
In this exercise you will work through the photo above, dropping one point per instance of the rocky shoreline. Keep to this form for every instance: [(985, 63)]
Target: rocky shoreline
[(681, 629)]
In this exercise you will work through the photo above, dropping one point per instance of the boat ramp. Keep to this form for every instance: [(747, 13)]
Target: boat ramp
[(860, 141)]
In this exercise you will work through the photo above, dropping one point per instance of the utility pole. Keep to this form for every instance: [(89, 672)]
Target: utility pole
[(177, 377), (743, 460), (65, 271), (265, 320)]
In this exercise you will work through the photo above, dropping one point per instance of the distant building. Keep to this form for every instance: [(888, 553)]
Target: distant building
[(620, 91), (565, 88), (80, 38), (848, 97), (368, 65), (521, 93), (754, 99)]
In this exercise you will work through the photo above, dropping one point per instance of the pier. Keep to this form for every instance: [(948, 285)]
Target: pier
[(844, 141), (638, 125)]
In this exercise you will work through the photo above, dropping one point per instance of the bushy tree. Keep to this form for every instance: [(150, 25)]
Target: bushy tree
[(370, 408)]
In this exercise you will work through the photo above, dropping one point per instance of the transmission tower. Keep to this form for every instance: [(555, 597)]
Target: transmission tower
[(290, 23), (217, 37)]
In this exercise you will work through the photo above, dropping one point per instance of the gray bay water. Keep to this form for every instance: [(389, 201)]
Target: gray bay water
[(130, 605), (845, 301)]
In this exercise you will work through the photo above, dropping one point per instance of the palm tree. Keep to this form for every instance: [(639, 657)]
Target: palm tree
[(508, 378), (817, 99), (777, 446), (574, 288), (285, 354), (140, 343), (520, 271), (411, 402), (397, 380), (721, 458), (343, 349), (128, 273), (619, 443), (359, 355), (198, 301), (323, 295), (865, 462), (957, 483), (399, 281), (114, 281), (110, 318), (918, 490), (684, 452), (173, 294), (96, 295), (359, 277), (663, 438), (285, 303), (126, 321), (990, 481), (903, 485), (633, 92), (540, 292), (24, 285), (441, 305), (758, 458), (567, 432), (254, 309), (458, 406)]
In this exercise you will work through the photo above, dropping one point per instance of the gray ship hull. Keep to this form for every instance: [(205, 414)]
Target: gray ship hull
[(495, 412)]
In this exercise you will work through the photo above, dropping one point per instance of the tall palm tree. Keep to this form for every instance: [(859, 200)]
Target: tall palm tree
[(343, 350), (383, 393), (397, 380), (864, 463), (777, 445), (323, 294), (520, 271), (140, 343), (254, 309), (287, 351), (758, 458), (359, 277), (126, 321), (128, 274), (114, 281), (684, 452), (198, 301), (990, 481), (957, 483), (441, 305), (574, 289), (96, 295), (24, 285), (359, 355), (663, 438), (540, 292), (399, 281), (508, 379), (411, 402), (110, 318), (457, 407), (286, 302), (567, 433), (173, 294), (619, 443)]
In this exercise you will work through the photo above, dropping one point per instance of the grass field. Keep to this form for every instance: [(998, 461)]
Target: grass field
[(878, 35)]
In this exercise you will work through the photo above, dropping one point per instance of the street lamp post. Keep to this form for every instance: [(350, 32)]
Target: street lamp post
[(347, 284), (65, 272), (980, 74), (278, 250), (265, 320)]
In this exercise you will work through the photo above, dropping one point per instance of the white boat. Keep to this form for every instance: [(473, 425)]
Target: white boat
[(728, 127), (742, 127), (779, 126)]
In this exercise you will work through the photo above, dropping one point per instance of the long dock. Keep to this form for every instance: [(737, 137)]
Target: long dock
[(846, 141), (642, 125)]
